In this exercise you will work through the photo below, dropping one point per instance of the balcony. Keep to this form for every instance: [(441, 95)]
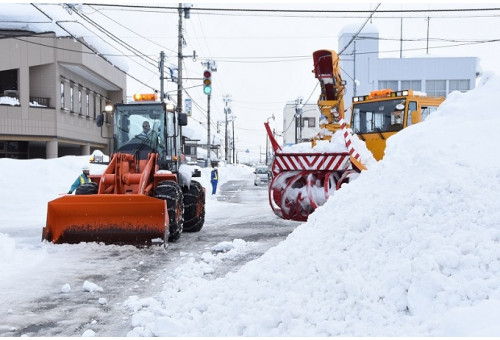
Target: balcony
[(39, 102)]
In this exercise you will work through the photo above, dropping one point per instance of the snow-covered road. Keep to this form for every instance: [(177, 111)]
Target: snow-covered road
[(74, 288)]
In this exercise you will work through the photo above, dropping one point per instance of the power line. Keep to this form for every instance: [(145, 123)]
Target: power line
[(359, 31), (116, 39), (139, 35), (304, 11)]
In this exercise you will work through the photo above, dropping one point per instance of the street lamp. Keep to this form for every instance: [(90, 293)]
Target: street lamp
[(267, 139)]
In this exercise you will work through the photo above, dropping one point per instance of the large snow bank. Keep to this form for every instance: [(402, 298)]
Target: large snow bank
[(411, 248)]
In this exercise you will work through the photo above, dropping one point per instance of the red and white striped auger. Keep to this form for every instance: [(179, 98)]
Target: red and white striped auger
[(350, 147), (301, 182)]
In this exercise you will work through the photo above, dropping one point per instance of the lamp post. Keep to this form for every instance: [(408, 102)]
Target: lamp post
[(267, 139)]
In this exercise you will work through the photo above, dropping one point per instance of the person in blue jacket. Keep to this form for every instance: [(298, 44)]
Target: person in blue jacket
[(83, 178), (214, 179)]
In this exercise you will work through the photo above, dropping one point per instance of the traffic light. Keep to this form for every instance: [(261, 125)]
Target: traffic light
[(207, 82)]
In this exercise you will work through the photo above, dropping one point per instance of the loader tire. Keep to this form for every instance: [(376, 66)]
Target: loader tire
[(171, 192), (87, 189), (194, 207)]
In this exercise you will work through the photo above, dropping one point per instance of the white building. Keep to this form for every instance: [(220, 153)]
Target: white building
[(299, 126), (437, 76)]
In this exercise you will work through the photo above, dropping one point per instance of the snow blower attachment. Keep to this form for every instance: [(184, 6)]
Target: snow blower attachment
[(301, 182), (140, 196)]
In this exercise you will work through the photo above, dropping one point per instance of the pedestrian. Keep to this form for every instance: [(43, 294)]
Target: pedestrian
[(83, 178), (214, 179)]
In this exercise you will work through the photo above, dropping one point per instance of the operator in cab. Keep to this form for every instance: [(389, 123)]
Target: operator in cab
[(397, 118), (148, 135)]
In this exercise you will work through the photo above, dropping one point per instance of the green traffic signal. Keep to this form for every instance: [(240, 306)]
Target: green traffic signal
[(207, 82)]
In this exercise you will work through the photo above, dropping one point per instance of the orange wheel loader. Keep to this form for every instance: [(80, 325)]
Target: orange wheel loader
[(141, 196)]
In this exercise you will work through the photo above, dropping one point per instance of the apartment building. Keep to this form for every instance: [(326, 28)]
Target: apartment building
[(51, 91)]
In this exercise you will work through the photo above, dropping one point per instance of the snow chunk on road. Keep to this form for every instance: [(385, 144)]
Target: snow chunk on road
[(66, 288), (91, 287), (222, 247), (88, 333)]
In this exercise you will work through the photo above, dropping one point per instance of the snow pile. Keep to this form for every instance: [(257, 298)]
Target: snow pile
[(9, 101), (36, 179), (414, 252)]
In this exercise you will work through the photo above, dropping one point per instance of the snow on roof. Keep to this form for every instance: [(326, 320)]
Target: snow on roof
[(57, 19)]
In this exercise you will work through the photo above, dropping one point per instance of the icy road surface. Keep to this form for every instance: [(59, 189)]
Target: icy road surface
[(73, 288)]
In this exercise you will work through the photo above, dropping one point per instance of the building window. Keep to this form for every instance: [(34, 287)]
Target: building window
[(14, 149), (9, 83), (415, 85), (63, 103), (95, 105), (189, 149), (71, 98), (308, 122), (436, 88), (99, 106), (461, 85), (388, 84), (87, 104), (80, 102)]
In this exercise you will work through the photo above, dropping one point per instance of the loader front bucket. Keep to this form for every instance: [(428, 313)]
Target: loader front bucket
[(112, 219)]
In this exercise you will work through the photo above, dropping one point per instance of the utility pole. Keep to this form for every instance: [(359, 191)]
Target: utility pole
[(183, 10), (401, 41), (234, 149), (354, 85), (208, 131), (298, 120), (162, 76), (180, 39), (227, 110), (428, 23)]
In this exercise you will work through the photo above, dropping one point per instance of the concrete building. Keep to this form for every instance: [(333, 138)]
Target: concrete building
[(51, 92), (436, 76), (300, 122)]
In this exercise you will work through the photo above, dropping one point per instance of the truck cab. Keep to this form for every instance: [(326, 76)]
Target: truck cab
[(382, 113)]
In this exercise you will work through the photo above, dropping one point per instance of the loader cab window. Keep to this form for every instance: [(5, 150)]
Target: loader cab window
[(173, 141), (130, 136), (376, 117)]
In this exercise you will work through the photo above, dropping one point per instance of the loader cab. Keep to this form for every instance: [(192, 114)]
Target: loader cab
[(163, 137), (383, 113)]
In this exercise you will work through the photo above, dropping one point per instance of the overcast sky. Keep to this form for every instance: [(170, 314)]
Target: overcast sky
[(264, 59)]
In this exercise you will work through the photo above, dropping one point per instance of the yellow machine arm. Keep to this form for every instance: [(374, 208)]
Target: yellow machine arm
[(330, 102)]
